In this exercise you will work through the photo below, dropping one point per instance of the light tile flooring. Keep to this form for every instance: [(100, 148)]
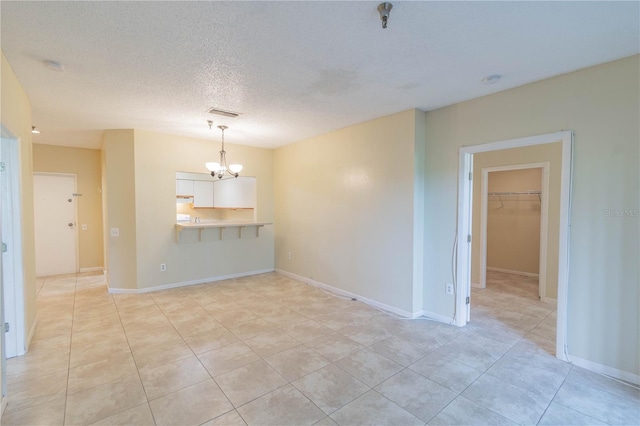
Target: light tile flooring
[(270, 350)]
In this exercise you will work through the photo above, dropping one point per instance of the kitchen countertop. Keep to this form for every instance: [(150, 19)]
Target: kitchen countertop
[(219, 224)]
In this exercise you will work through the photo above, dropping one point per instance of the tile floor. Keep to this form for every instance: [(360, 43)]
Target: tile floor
[(270, 350)]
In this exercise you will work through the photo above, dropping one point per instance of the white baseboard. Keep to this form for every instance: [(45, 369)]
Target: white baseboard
[(92, 269), (550, 301), (374, 303), (512, 272), (475, 285), (184, 283), (438, 317), (605, 370), (32, 331)]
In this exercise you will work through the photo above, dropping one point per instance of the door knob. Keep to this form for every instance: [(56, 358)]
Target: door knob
[(70, 224)]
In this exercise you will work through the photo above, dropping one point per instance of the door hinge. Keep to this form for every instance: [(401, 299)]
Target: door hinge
[(470, 175), (468, 238), (6, 327), (2, 167), (468, 301), (4, 247)]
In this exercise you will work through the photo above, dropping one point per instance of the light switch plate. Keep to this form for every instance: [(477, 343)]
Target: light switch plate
[(115, 232), (84, 226)]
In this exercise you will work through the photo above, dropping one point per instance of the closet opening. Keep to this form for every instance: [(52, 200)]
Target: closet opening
[(513, 208)]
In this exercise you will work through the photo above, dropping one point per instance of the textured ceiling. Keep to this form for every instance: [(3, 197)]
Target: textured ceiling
[(292, 69)]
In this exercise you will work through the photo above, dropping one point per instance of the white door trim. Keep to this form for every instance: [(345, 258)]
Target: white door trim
[(544, 218), (465, 199), (75, 213), (11, 157)]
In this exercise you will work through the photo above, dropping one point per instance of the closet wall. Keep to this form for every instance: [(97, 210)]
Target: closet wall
[(513, 221)]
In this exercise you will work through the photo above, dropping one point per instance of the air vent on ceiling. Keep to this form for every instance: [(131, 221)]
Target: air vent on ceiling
[(223, 112)]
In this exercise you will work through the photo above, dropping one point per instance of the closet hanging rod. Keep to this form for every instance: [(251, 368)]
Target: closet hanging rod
[(515, 193)]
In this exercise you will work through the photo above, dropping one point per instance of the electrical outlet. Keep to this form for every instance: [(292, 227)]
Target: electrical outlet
[(289, 255), (84, 226), (449, 288), (115, 232), (163, 267)]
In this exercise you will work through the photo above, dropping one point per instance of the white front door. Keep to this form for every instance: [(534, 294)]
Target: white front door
[(55, 224)]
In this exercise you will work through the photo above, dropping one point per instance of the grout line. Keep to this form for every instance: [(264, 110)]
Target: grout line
[(134, 361), (66, 393)]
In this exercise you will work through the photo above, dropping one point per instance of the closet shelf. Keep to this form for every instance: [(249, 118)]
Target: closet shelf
[(508, 194)]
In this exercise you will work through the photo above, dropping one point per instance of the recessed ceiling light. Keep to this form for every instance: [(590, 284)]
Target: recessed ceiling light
[(53, 65), (491, 79), (34, 130)]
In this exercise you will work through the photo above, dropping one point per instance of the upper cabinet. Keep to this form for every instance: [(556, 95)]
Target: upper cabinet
[(202, 194), (238, 193), (184, 187), (204, 191)]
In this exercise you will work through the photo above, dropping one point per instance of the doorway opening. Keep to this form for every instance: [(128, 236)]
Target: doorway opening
[(514, 215), (558, 257), (55, 219)]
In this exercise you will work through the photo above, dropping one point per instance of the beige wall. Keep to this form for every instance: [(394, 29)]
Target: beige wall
[(345, 208), (85, 164), (551, 153), (157, 159), (513, 222), (16, 119), (601, 105), (119, 186)]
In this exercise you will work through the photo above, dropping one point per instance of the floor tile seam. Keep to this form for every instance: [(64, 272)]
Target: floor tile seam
[(488, 408), (335, 410), (577, 411), (519, 386), (333, 363), (443, 385), (101, 384), (485, 369), (66, 396), (222, 414), (227, 396), (35, 377), (391, 401), (271, 391), (136, 365), (614, 395), (8, 409), (178, 389)]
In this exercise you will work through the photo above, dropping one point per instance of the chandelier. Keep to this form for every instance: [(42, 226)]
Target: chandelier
[(220, 169)]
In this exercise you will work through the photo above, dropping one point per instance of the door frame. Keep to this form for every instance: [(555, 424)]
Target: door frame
[(15, 289), (465, 200), (544, 218), (75, 213)]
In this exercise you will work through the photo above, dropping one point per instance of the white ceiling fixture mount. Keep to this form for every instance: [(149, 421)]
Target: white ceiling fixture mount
[(53, 65), (384, 9), (220, 169), (34, 130), (491, 79)]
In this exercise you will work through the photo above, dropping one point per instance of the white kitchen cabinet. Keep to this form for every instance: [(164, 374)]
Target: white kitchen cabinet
[(184, 187), (238, 193), (202, 194)]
